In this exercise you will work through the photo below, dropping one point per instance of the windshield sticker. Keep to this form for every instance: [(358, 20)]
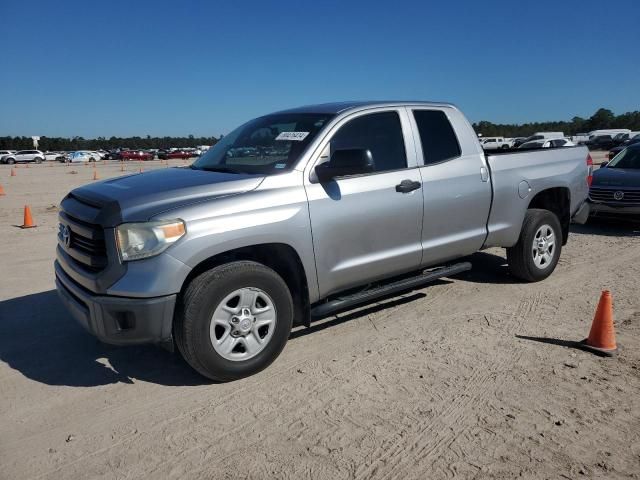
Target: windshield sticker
[(292, 136), (280, 165)]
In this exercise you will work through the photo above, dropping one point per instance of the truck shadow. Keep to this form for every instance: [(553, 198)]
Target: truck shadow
[(488, 268), (608, 227), (39, 339)]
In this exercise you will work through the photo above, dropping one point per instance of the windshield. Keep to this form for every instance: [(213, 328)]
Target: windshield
[(266, 145), (627, 158)]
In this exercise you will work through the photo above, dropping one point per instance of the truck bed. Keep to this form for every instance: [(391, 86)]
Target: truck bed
[(519, 175)]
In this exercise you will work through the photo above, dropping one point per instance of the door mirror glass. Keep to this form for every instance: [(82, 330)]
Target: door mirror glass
[(353, 161)]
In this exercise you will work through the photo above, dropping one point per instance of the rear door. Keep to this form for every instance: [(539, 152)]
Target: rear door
[(363, 228), (455, 184)]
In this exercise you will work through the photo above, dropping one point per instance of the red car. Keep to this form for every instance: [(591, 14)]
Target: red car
[(136, 155), (176, 154)]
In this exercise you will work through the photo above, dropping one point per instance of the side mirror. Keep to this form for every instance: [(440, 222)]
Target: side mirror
[(354, 161), (604, 164)]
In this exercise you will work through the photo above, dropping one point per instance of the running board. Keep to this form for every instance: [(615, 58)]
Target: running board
[(349, 301)]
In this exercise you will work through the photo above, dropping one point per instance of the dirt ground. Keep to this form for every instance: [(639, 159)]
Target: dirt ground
[(471, 377)]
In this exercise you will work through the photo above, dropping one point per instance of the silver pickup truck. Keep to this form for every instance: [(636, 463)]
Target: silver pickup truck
[(299, 214)]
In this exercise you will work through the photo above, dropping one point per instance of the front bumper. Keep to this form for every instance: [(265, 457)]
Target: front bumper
[(117, 320), (607, 210)]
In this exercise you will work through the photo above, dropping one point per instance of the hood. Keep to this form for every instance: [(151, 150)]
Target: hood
[(138, 197), (616, 177)]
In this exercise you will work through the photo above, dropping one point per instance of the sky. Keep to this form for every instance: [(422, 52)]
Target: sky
[(123, 68)]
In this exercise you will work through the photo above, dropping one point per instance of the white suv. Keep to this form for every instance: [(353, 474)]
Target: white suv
[(5, 153), (24, 156)]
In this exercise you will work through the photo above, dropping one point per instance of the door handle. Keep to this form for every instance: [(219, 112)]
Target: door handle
[(406, 186)]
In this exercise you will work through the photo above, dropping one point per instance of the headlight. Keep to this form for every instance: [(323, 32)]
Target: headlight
[(142, 240)]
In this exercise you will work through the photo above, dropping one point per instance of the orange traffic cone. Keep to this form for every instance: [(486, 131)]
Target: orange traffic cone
[(13, 172), (602, 337), (28, 220), (2, 191), (95, 175)]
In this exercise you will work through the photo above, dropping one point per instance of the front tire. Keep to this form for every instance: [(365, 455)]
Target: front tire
[(537, 252), (234, 320)]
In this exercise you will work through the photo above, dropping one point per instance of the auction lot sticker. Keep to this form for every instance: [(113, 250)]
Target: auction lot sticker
[(292, 136)]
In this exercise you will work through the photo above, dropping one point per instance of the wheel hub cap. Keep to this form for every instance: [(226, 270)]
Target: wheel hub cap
[(243, 324), (543, 249)]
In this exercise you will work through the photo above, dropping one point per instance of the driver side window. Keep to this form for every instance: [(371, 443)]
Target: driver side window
[(380, 133)]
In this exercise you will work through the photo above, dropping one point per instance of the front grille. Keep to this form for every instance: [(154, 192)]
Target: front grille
[(612, 195), (83, 242)]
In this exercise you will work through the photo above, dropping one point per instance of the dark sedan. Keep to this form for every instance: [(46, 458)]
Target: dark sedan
[(600, 142), (614, 151), (615, 190)]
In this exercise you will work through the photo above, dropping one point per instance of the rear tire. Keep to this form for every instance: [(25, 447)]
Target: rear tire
[(533, 258), (38, 160), (195, 330)]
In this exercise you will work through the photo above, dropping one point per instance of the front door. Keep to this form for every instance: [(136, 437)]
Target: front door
[(366, 227)]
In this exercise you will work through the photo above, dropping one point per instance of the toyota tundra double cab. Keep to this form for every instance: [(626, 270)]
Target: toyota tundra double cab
[(300, 214)]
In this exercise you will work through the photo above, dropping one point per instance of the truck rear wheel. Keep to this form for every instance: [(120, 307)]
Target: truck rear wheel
[(537, 252), (234, 320)]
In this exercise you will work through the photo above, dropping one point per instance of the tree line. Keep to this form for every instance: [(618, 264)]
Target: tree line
[(603, 118), (102, 143)]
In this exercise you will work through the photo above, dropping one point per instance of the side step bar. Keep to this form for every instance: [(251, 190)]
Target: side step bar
[(349, 301)]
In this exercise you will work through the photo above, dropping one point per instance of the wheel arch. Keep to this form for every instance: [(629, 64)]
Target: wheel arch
[(558, 201), (280, 257)]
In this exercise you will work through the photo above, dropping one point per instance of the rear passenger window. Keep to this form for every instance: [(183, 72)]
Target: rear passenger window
[(380, 133), (439, 141)]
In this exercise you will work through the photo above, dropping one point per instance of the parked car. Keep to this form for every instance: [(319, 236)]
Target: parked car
[(543, 136), (623, 138), (615, 191), (228, 254), (53, 156), (5, 153), (580, 138), (136, 155), (517, 141), (83, 156), (24, 156), (166, 154), (495, 143), (612, 132), (553, 143), (600, 142), (616, 150)]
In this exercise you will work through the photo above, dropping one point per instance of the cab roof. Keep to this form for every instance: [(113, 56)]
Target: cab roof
[(339, 107)]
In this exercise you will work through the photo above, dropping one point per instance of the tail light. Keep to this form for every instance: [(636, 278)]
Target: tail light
[(589, 169)]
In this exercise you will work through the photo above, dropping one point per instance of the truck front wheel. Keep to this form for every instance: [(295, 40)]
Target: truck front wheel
[(233, 320), (537, 252)]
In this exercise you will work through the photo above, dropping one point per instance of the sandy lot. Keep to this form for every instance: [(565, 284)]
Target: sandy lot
[(436, 383)]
